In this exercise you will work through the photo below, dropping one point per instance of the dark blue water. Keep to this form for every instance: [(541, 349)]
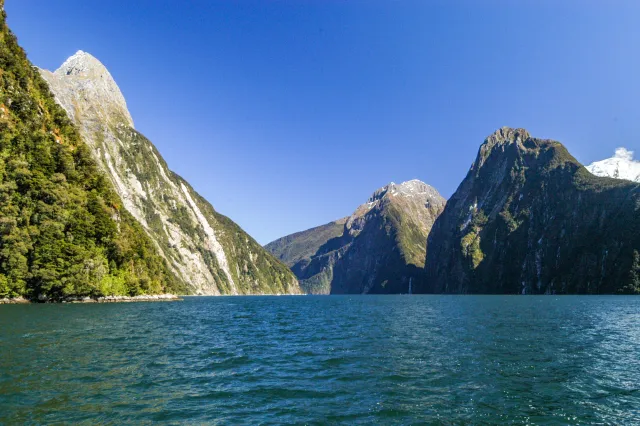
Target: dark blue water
[(363, 359)]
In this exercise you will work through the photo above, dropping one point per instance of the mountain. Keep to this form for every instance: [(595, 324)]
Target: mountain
[(377, 249), (301, 246), (63, 231), (529, 218), (208, 251), (620, 166)]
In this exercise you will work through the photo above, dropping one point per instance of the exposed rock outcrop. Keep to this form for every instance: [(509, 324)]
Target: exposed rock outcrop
[(209, 252), (63, 232)]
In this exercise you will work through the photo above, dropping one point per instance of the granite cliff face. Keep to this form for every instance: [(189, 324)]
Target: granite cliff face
[(530, 219), (378, 249), (205, 249)]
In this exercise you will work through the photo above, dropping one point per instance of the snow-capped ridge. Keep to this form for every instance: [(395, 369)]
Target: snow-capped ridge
[(620, 166)]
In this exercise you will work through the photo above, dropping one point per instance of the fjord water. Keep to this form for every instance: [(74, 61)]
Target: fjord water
[(348, 359)]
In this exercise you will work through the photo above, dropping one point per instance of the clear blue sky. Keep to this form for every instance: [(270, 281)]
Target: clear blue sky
[(289, 114)]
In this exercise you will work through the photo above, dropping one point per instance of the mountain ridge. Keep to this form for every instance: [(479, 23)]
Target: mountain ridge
[(209, 252), (620, 166), (379, 248), (63, 232), (529, 218)]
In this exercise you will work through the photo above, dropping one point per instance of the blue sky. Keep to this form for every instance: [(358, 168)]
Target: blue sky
[(289, 114)]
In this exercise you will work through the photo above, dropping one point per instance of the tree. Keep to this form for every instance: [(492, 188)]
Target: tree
[(633, 285)]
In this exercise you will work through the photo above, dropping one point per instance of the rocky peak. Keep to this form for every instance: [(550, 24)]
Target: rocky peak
[(409, 188), (413, 188), (82, 75), (620, 166), (501, 139), (507, 135), (531, 219), (413, 192), (206, 250), (81, 63), (380, 249)]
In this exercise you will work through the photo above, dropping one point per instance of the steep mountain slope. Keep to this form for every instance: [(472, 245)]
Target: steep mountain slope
[(204, 248), (380, 248), (301, 246), (62, 230), (620, 166), (528, 218)]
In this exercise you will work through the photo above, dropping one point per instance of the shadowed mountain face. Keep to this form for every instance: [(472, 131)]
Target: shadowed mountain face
[(299, 248), (378, 249), (529, 218), (205, 249)]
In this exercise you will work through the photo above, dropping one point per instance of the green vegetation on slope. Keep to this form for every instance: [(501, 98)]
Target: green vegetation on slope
[(297, 250), (62, 229), (205, 250), (378, 249), (253, 269), (303, 245), (529, 218)]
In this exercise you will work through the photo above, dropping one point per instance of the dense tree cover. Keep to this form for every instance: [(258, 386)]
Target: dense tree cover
[(62, 229), (633, 284), (529, 218)]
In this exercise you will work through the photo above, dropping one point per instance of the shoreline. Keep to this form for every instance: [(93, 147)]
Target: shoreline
[(244, 295), (102, 299)]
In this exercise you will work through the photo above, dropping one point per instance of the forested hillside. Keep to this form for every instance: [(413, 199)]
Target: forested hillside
[(63, 231), (530, 219)]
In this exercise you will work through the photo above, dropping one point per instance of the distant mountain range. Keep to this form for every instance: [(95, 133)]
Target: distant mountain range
[(380, 248), (88, 207), (527, 219)]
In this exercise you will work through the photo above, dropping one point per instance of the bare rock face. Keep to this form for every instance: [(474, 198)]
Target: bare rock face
[(84, 87), (530, 219), (380, 248), (209, 252)]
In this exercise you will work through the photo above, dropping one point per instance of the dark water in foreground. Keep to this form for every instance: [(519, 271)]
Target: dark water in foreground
[(275, 360)]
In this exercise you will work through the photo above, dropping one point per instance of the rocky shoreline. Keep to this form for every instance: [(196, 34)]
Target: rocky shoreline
[(104, 299)]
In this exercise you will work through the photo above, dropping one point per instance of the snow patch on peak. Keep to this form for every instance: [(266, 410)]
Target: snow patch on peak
[(620, 166), (413, 185), (410, 188)]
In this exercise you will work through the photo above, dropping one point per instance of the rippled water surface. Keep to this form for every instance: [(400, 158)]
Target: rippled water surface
[(362, 359)]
